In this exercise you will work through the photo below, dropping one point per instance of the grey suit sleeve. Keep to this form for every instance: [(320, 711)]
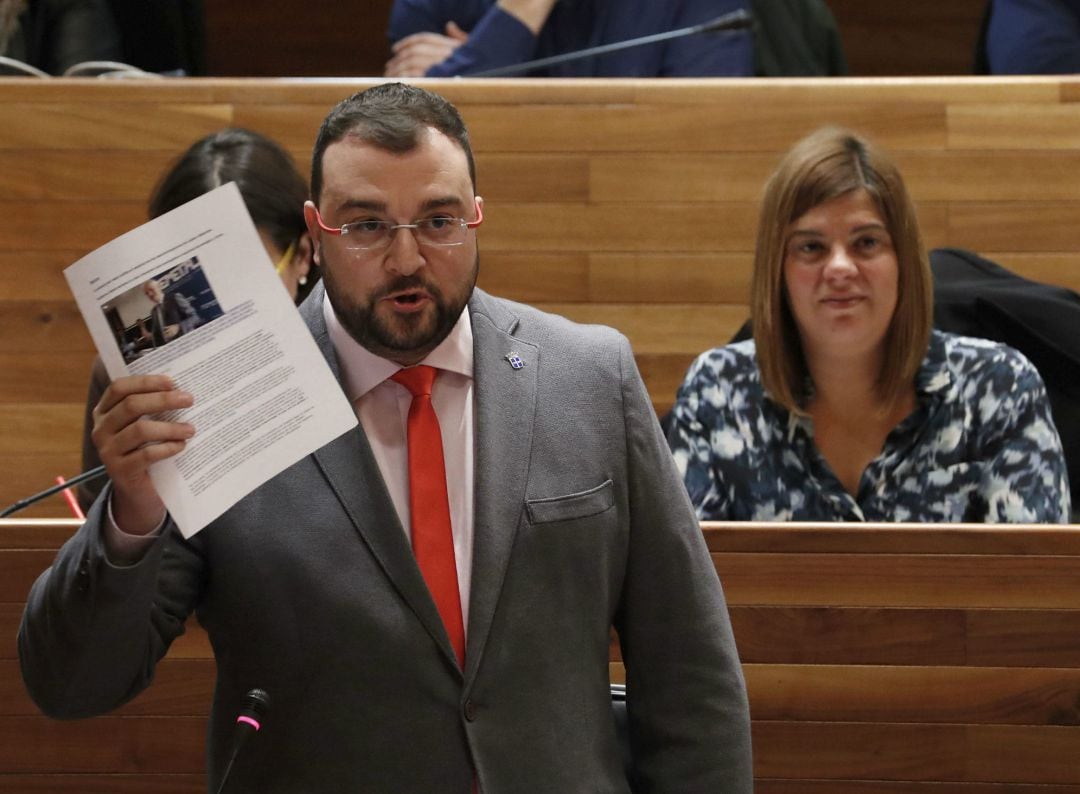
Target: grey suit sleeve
[(687, 705), (92, 631)]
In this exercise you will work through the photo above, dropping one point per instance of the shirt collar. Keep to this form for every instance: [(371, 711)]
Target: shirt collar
[(362, 370)]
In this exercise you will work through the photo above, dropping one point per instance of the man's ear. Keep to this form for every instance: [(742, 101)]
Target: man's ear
[(314, 233)]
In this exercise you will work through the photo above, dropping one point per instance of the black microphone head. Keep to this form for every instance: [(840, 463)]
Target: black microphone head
[(255, 704), (736, 20)]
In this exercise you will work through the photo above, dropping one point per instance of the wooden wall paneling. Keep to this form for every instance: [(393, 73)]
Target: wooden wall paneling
[(760, 127), (62, 225), (916, 752), (29, 275), (768, 786), (907, 636), (909, 694), (38, 327), (525, 177), (707, 178), (604, 227), (849, 635), (660, 329), (60, 377), (1038, 90), (1025, 176), (166, 745), (28, 473), (933, 694), (805, 538), (293, 125), (83, 125), (1016, 226), (1024, 638), (683, 277), (1014, 126), (102, 784), (49, 425), (66, 175), (899, 580)]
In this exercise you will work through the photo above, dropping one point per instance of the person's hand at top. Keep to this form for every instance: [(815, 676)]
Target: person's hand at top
[(415, 54), (129, 440)]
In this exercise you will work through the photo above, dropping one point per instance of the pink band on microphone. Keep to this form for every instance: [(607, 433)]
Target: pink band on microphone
[(253, 723)]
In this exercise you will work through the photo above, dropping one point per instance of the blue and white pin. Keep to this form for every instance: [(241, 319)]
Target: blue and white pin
[(516, 361)]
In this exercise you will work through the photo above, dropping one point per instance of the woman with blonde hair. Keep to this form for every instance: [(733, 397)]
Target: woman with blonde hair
[(846, 405)]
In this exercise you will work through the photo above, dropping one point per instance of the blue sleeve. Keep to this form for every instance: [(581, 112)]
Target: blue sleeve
[(496, 38), (1034, 37), (415, 16), (729, 54)]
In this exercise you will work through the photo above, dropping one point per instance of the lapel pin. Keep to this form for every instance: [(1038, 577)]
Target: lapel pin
[(515, 360)]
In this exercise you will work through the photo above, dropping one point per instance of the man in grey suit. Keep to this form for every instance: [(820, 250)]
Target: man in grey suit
[(567, 517)]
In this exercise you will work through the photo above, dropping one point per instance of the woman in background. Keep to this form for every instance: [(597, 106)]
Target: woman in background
[(274, 194), (846, 406)]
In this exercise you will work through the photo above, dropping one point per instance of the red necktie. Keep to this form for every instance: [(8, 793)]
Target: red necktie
[(432, 538)]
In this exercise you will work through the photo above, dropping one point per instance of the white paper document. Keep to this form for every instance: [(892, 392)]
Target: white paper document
[(192, 295)]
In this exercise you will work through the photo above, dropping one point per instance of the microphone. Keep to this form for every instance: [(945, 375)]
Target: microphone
[(91, 474), (736, 20), (249, 721)]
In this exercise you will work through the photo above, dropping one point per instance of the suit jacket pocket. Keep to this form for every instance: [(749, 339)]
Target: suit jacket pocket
[(578, 505)]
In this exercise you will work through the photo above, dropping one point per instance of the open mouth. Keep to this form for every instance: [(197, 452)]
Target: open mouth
[(408, 299)]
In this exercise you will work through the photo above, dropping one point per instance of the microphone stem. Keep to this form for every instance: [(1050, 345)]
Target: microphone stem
[(738, 19), (228, 770), (90, 474)]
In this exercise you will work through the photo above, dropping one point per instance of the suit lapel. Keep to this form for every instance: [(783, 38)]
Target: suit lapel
[(349, 466), (505, 400)]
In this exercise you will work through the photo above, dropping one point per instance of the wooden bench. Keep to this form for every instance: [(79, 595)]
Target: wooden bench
[(879, 659), (625, 202)]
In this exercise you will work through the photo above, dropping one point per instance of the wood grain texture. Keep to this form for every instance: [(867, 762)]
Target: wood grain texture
[(881, 698), (102, 784), (629, 202)]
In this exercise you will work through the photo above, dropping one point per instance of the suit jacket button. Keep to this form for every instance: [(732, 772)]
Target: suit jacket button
[(470, 711)]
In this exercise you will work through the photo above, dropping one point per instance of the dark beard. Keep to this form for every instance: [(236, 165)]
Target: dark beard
[(406, 339)]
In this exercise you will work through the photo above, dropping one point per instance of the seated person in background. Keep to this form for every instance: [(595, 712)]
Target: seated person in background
[(445, 38), (274, 193), (846, 405), (1033, 37), (53, 35)]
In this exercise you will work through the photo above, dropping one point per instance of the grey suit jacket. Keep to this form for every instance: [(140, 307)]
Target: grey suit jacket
[(308, 589)]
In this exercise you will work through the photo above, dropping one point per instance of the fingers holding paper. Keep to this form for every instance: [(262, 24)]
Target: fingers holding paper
[(129, 439)]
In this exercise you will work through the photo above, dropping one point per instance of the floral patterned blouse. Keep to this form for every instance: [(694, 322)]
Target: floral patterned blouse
[(980, 445)]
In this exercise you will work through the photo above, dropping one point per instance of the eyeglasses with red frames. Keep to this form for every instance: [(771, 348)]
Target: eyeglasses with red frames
[(440, 231)]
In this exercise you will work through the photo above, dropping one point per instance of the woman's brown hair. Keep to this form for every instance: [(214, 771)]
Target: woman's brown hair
[(823, 166)]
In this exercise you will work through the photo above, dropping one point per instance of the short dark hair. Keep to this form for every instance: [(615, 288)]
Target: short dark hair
[(391, 117), (270, 184)]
